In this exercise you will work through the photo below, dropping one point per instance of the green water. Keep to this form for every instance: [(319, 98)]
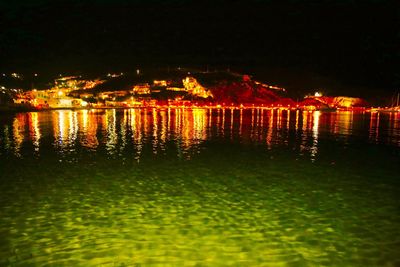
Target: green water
[(199, 188)]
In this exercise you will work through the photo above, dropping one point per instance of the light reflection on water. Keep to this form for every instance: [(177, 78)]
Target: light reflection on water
[(188, 128), (199, 187)]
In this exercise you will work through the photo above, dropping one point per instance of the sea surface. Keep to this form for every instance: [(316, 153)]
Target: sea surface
[(199, 187)]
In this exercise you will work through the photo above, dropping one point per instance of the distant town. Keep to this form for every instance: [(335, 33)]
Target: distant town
[(171, 88)]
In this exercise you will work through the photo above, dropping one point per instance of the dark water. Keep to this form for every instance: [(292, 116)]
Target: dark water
[(199, 188)]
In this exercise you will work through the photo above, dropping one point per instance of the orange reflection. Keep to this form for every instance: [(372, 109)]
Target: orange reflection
[(112, 137), (155, 131), (223, 122), (345, 122), (374, 126), (252, 119), (314, 147), (305, 117), (18, 132), (135, 123), (34, 131), (241, 122), (73, 120), (186, 130), (60, 128), (189, 127), (200, 124), (123, 131), (231, 125), (306, 125), (279, 119), (210, 111), (270, 129), (83, 121), (65, 128), (164, 128), (169, 121), (87, 129)]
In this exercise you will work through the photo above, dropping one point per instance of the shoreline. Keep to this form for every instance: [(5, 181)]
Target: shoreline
[(5, 110)]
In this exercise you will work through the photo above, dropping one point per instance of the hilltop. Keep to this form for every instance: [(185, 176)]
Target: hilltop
[(172, 87)]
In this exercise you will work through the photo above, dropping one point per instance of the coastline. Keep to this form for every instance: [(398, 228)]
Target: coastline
[(18, 109)]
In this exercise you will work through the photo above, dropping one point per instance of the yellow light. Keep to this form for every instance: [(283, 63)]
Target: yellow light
[(318, 94)]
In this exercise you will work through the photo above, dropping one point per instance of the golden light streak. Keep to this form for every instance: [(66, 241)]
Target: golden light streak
[(123, 126), (84, 121), (155, 131), (241, 122), (164, 128), (169, 121), (210, 111), (345, 122), (90, 134), (252, 119), (305, 120), (136, 128), (34, 130), (18, 133), (314, 147), (279, 119), (112, 137), (73, 131), (61, 130), (304, 135), (200, 124), (218, 118), (223, 122), (270, 129), (231, 126)]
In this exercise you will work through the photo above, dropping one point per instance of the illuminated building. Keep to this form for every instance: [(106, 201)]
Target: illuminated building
[(91, 84), (160, 83), (112, 94), (142, 89), (70, 83), (176, 89), (37, 98), (66, 102), (337, 101), (193, 87)]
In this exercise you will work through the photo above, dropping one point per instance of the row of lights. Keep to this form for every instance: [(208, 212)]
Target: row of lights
[(16, 75)]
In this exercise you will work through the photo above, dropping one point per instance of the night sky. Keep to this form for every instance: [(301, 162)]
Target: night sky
[(347, 46)]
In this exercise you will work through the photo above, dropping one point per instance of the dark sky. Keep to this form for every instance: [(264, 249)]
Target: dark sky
[(352, 44)]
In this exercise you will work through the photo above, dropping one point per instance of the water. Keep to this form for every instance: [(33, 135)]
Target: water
[(182, 187)]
